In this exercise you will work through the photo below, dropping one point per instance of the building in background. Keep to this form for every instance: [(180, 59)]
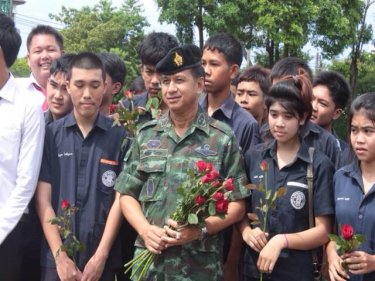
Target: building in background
[(6, 6)]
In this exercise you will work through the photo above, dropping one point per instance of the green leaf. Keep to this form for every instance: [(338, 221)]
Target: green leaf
[(193, 219), (212, 208)]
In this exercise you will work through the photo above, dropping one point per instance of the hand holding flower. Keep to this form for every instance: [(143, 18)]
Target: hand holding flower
[(359, 262), (66, 268), (270, 253), (177, 235), (152, 238), (255, 238)]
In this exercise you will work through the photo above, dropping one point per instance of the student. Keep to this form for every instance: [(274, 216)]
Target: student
[(312, 134), (147, 183), (58, 98), (115, 75), (21, 146), (354, 195), (82, 158), (153, 48), (137, 86), (221, 60), (331, 93), (252, 86), (283, 251), (44, 45)]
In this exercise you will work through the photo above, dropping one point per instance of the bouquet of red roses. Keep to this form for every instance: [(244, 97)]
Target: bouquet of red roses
[(202, 195), (347, 241), (71, 245)]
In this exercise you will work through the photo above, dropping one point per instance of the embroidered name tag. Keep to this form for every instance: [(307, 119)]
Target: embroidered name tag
[(109, 162)]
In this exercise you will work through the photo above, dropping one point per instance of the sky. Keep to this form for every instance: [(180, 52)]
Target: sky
[(35, 12)]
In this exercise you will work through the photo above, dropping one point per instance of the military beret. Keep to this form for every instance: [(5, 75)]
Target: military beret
[(179, 59)]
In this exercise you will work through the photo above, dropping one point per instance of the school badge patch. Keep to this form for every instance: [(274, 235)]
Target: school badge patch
[(109, 178), (298, 200)]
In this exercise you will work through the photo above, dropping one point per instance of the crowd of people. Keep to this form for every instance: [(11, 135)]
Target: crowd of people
[(265, 128)]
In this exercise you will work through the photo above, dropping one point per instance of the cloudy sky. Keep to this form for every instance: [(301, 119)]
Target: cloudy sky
[(35, 12)]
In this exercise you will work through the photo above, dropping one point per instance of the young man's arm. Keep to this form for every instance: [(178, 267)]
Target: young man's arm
[(66, 269), (95, 266)]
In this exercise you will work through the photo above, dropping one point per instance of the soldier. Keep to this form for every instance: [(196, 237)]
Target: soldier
[(182, 136)]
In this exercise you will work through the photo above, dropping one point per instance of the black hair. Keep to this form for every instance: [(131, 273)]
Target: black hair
[(62, 64), (364, 103), (197, 71), (257, 74), (235, 81), (156, 46), (294, 94), (10, 40), (137, 85), (227, 44), (337, 85), (114, 66), (290, 66), (47, 30), (86, 60)]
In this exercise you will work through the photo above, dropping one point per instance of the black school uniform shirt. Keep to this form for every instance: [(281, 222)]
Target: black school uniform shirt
[(291, 214), (83, 170)]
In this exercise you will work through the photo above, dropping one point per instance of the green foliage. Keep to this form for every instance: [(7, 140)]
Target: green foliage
[(20, 68), (104, 28)]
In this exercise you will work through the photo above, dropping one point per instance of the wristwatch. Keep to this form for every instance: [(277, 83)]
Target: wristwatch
[(204, 234)]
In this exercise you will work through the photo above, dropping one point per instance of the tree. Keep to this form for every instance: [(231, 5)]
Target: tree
[(20, 68), (104, 28)]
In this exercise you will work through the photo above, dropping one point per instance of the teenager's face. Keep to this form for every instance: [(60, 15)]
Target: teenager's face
[(180, 91), (42, 51), (218, 72), (151, 79), (284, 125), (58, 98), (111, 89), (250, 97), (362, 137), (324, 109), (86, 88)]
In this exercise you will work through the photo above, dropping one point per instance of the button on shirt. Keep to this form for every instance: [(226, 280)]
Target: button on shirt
[(21, 146), (83, 170), (243, 124), (291, 214), (353, 207), (31, 86)]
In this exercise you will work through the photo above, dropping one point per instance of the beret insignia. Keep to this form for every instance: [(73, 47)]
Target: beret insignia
[(178, 60)]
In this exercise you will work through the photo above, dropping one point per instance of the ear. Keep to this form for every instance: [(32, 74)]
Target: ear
[(337, 113), (28, 59), (116, 88), (234, 69), (200, 84), (303, 120), (68, 87)]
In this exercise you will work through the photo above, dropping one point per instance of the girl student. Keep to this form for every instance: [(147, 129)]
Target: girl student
[(283, 250), (354, 195)]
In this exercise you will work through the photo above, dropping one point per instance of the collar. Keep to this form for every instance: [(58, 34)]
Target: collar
[(226, 107), (101, 121), (310, 127), (302, 153), (201, 121), (9, 89)]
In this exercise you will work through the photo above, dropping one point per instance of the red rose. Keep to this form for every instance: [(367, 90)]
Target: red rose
[(228, 184), (216, 184), (214, 174), (112, 108), (128, 94), (218, 196), (209, 167), (211, 176), (222, 206), (264, 165), (200, 200), (347, 231), (65, 204), (201, 166)]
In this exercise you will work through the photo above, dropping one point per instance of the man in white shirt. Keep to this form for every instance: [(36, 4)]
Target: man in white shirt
[(44, 45), (21, 139)]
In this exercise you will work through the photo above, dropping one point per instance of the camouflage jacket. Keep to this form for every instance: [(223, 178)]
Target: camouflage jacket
[(156, 165)]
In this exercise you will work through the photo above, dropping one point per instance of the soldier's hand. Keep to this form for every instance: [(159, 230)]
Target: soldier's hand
[(177, 235), (153, 239)]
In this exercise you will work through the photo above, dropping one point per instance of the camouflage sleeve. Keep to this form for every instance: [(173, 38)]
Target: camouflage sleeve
[(233, 166), (130, 181)]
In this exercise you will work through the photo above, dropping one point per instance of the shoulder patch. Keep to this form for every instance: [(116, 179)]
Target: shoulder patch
[(147, 124), (221, 126)]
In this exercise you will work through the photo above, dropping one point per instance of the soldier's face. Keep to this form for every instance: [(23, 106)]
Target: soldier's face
[(180, 91)]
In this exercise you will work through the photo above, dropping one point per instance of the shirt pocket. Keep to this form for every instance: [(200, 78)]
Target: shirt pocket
[(107, 174)]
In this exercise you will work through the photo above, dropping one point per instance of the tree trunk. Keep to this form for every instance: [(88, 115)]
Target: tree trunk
[(200, 23)]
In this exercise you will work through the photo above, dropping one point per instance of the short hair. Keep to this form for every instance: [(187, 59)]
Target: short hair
[(156, 46), (10, 40), (257, 74), (47, 30), (137, 85), (86, 60), (290, 66), (62, 64), (294, 93), (337, 85), (226, 44), (364, 103), (197, 71), (114, 66)]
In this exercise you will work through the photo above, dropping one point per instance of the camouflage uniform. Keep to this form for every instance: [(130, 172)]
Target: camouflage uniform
[(157, 164)]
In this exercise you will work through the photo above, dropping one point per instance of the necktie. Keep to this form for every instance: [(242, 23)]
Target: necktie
[(43, 91)]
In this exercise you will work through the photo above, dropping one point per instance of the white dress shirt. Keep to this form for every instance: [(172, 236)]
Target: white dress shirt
[(27, 84), (21, 147)]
